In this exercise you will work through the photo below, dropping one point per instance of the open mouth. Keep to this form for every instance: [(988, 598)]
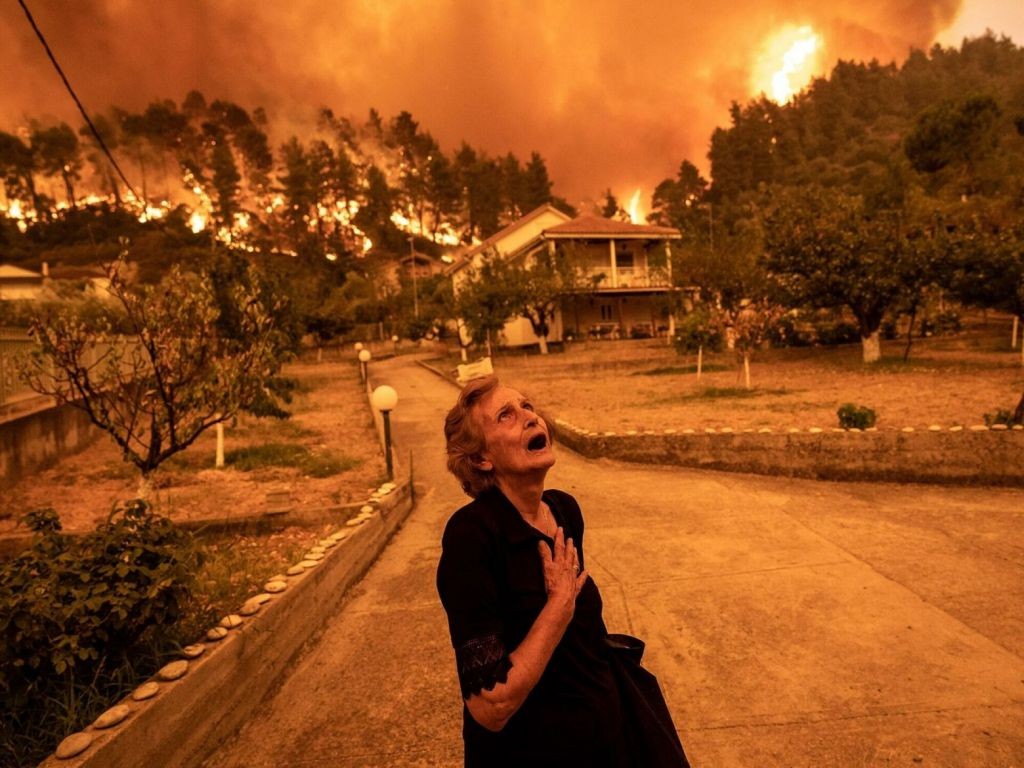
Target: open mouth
[(537, 443)]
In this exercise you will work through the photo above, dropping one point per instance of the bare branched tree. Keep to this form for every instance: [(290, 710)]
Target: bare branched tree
[(171, 375)]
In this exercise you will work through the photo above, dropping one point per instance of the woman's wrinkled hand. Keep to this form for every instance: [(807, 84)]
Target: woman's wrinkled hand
[(563, 578)]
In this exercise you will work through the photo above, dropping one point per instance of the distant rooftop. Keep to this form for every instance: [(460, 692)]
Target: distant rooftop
[(596, 226), (10, 271), (510, 228)]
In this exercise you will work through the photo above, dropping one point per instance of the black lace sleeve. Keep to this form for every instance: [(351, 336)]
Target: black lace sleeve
[(467, 586), (482, 663)]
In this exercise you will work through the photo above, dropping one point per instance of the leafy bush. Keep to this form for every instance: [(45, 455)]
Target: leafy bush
[(415, 328), (82, 618), (288, 455), (837, 333), (946, 322), (1001, 416), (786, 333), (855, 416), (696, 330)]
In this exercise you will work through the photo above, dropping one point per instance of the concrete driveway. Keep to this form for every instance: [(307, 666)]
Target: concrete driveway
[(791, 622)]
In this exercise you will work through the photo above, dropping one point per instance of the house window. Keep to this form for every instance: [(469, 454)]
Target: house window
[(606, 312), (624, 259)]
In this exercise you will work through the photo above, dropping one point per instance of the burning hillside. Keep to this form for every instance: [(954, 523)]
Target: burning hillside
[(610, 93)]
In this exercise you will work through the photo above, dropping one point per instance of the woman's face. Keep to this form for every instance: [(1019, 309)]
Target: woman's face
[(517, 441)]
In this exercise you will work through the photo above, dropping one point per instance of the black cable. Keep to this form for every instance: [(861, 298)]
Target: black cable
[(88, 120)]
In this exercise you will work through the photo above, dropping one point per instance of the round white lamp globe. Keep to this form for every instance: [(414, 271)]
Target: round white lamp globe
[(364, 355), (359, 346), (384, 398)]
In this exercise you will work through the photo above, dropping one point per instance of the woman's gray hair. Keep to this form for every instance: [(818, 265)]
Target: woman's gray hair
[(465, 440)]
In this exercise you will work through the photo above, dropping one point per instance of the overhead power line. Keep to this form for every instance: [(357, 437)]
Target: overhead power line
[(78, 103)]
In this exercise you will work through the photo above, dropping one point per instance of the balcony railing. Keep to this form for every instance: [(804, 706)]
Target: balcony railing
[(628, 277)]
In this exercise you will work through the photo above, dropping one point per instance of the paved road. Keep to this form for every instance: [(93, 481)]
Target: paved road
[(792, 622)]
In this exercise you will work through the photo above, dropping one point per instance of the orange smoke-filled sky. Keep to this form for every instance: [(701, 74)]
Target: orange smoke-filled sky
[(610, 93)]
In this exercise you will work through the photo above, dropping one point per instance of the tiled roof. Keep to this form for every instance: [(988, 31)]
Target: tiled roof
[(501, 233), (596, 226)]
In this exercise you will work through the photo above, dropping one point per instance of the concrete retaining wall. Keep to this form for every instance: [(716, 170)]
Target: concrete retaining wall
[(974, 456), (38, 435), (190, 717)]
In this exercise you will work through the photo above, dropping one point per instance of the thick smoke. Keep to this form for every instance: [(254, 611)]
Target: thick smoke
[(611, 93)]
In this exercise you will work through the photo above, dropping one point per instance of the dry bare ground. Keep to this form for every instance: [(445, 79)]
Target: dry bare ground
[(618, 386), (330, 419)]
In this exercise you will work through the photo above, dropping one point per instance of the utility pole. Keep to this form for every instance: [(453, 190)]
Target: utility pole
[(415, 292)]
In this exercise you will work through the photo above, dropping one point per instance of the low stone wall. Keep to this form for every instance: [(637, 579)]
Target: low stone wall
[(182, 715), (187, 718), (976, 455), (38, 434)]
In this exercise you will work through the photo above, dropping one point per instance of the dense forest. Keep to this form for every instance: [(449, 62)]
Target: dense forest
[(324, 217), (876, 189), (346, 189)]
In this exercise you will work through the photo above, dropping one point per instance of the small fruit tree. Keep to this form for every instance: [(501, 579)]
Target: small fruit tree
[(158, 370), (749, 325)]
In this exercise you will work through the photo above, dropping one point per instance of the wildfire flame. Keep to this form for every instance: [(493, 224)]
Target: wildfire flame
[(634, 208), (788, 62), (201, 217)]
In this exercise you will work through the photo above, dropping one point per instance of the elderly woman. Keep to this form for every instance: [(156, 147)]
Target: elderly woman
[(534, 661)]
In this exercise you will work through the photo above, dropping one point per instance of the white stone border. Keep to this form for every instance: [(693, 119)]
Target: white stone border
[(178, 717), (583, 431)]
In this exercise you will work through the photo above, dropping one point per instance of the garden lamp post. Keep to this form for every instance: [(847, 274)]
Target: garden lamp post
[(364, 358), (384, 399), (394, 341)]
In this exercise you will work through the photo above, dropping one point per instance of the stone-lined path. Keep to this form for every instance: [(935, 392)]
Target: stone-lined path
[(792, 623)]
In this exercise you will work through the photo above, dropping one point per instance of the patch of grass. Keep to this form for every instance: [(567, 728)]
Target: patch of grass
[(236, 566), (671, 370), (262, 428), (712, 393), (717, 393), (113, 470), (288, 455)]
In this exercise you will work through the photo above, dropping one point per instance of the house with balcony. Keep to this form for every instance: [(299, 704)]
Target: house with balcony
[(625, 278)]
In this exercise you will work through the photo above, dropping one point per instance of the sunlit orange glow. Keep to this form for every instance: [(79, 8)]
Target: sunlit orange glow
[(634, 208), (788, 61)]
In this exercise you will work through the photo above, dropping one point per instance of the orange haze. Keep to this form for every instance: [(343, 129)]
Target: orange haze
[(610, 93)]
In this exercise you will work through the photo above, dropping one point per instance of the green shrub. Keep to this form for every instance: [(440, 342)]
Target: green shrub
[(855, 416), (674, 370), (696, 330), (941, 323), (1001, 416), (786, 333), (837, 333), (288, 455), (81, 618)]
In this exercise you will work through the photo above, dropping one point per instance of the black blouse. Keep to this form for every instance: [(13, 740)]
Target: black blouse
[(491, 583)]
